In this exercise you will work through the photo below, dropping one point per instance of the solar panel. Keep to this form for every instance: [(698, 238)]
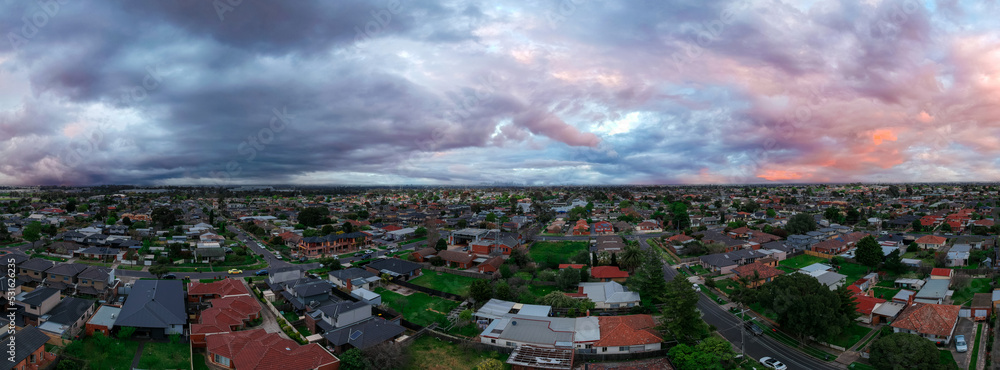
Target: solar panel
[(356, 335)]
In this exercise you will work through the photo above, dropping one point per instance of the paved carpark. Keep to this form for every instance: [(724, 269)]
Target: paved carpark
[(968, 328)]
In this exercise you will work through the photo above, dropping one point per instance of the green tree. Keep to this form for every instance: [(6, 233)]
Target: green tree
[(491, 217), (32, 232), (800, 223), (125, 332), (441, 245), (329, 229), (313, 216), (904, 351), (869, 252), (568, 278), (158, 270), (917, 226), (771, 213), (420, 231), (680, 215), (352, 359), (164, 217), (712, 353), (894, 263), (648, 278), (806, 307), (630, 258), (946, 227), (680, 314), (480, 291), (490, 364)]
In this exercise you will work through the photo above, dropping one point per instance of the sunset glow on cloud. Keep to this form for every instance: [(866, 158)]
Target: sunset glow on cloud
[(464, 92)]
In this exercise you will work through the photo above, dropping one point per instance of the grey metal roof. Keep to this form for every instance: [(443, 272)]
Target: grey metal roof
[(609, 292), (934, 289), (394, 265), (106, 316), (154, 304)]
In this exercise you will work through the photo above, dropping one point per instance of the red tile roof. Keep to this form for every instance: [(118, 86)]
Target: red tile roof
[(222, 288), (926, 318), (631, 330), (931, 239), (763, 271), (866, 304), (607, 272), (391, 228), (941, 272), (571, 265), (226, 313), (260, 350), (680, 237)]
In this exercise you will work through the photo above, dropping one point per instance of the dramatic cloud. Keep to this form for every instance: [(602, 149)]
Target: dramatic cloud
[(460, 92)]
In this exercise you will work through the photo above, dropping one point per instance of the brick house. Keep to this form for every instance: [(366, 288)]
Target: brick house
[(491, 265), (423, 254), (581, 227), (232, 308), (757, 273), (935, 322), (333, 244), (931, 242), (259, 350), (457, 259), (29, 350), (603, 227), (608, 273)]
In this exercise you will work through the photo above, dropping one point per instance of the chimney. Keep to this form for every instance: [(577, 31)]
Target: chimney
[(579, 289)]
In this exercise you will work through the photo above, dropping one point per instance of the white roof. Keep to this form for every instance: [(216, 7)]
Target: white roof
[(365, 294), (816, 267)]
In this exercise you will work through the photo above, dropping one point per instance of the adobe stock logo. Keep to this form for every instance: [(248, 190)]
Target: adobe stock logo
[(379, 23)]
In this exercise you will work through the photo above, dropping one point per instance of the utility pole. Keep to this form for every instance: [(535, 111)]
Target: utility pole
[(743, 330)]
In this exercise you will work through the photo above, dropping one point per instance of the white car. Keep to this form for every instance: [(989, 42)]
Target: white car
[(696, 287), (772, 363), (960, 344)]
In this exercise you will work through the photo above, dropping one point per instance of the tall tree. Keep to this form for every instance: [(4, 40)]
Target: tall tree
[(712, 353), (869, 252), (801, 223), (313, 216), (894, 263), (904, 351), (630, 258), (648, 278), (680, 314), (32, 232), (806, 307)]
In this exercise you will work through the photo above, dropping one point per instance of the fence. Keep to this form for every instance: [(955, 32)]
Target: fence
[(466, 273), (818, 254), (579, 356), (433, 292)]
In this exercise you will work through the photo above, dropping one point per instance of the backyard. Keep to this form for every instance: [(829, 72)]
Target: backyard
[(445, 282), (428, 352), (801, 261), (964, 295), (556, 251), (727, 286), (100, 352), (156, 355), (853, 271), (418, 308), (850, 336)]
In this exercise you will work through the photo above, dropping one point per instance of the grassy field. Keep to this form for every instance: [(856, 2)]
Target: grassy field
[(431, 353), (112, 355), (559, 251), (885, 293), (541, 290), (128, 267), (946, 358), (801, 261), (445, 282), (853, 271), (418, 308), (199, 362), (727, 286), (964, 295), (851, 336), (165, 356), (698, 270), (411, 241)]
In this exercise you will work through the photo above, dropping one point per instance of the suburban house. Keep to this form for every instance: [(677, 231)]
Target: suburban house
[(831, 247), (608, 243), (33, 270), (306, 294), (608, 294), (603, 227), (608, 273), (36, 303), (96, 281), (616, 334), (935, 322), (276, 278), (625, 334), (423, 254), (649, 226), (491, 265), (931, 242), (364, 334), (934, 291), (496, 308), (210, 254), (64, 276), (395, 267), (495, 242), (942, 274), (259, 350), (958, 255), (232, 307), (581, 227), (105, 254), (681, 239), (333, 244), (103, 320), (335, 315), (457, 259), (757, 273), (28, 347), (155, 308), (724, 263), (982, 306), (67, 318), (353, 278)]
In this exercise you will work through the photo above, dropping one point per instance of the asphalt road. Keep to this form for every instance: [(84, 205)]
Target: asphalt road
[(729, 326)]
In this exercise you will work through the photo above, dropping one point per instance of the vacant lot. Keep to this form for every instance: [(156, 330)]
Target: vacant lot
[(165, 356), (801, 261), (850, 336), (418, 308), (853, 271), (428, 352), (964, 295), (557, 252), (445, 282), (104, 353)]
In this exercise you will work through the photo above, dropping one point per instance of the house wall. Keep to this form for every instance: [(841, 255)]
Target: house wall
[(932, 338), (34, 360), (90, 329), (43, 308), (350, 317)]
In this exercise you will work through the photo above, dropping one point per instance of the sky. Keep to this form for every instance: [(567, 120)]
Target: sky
[(533, 92)]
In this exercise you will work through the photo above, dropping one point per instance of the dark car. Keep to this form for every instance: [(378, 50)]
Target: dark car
[(754, 329), (261, 273), (169, 277)]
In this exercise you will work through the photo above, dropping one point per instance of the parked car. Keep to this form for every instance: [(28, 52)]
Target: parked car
[(960, 344), (235, 271), (772, 363), (696, 287), (169, 277), (261, 273), (754, 328), (366, 256)]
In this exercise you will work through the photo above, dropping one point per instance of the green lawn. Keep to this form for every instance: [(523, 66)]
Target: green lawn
[(541, 290), (853, 271), (130, 267), (756, 307), (946, 358), (964, 295), (851, 336), (801, 261), (411, 241), (428, 352), (199, 362), (885, 293), (105, 353), (445, 282), (418, 308), (698, 270), (165, 356), (860, 366), (469, 330), (556, 251), (727, 286)]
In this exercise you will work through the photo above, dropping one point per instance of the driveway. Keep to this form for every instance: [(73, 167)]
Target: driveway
[(968, 328)]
